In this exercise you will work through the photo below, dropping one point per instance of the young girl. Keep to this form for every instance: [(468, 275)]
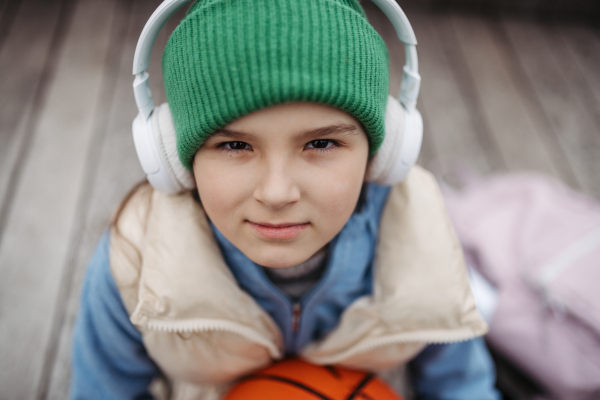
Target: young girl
[(283, 249)]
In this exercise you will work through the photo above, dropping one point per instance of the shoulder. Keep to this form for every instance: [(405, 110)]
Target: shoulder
[(418, 183), (130, 218), (417, 200), (127, 235)]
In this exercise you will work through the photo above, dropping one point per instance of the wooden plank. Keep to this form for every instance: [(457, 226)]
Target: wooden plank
[(26, 59), (544, 57), (116, 172), (454, 121), (38, 237), (515, 128), (582, 61), (8, 11)]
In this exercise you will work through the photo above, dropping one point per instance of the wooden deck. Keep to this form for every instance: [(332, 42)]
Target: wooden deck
[(499, 93)]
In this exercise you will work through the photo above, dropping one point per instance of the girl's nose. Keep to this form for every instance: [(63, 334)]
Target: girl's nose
[(277, 187)]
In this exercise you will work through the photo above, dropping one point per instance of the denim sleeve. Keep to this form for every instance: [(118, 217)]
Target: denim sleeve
[(109, 360), (455, 371)]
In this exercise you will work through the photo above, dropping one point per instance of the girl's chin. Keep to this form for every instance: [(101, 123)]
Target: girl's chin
[(279, 258)]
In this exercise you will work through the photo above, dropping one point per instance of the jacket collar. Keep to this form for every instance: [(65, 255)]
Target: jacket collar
[(348, 275)]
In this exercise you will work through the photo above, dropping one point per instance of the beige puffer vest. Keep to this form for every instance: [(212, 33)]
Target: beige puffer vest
[(203, 331)]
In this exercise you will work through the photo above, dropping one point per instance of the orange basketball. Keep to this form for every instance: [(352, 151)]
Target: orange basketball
[(298, 380)]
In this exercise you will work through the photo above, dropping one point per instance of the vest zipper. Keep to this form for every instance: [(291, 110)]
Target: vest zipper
[(296, 312)]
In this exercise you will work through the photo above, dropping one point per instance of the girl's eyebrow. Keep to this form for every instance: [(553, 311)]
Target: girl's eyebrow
[(347, 129), (231, 134), (312, 133)]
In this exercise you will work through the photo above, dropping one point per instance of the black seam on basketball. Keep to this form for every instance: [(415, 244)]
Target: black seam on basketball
[(291, 382), (365, 396), (360, 385), (331, 369)]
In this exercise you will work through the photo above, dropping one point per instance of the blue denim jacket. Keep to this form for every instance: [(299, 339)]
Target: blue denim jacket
[(109, 359)]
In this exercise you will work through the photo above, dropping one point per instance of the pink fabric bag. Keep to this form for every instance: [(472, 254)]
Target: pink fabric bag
[(538, 243)]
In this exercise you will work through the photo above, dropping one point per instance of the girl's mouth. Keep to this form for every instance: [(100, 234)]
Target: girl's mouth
[(284, 231)]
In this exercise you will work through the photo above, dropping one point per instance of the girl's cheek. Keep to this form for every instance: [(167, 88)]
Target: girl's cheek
[(336, 187), (222, 187)]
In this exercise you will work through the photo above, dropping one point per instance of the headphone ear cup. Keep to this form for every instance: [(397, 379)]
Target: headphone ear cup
[(166, 142), (401, 145)]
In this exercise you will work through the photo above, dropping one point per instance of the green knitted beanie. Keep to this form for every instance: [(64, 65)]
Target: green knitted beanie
[(228, 58)]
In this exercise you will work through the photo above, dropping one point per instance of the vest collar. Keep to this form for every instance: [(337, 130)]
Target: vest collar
[(421, 292)]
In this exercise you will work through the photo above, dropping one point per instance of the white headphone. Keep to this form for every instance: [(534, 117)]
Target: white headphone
[(154, 132)]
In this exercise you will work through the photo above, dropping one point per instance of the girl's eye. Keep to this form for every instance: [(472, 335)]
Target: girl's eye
[(235, 146), (320, 144)]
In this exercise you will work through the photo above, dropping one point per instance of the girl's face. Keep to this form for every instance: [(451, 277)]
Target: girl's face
[(281, 182)]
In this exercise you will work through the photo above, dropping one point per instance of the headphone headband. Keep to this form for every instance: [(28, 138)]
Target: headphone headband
[(158, 19), (409, 89)]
